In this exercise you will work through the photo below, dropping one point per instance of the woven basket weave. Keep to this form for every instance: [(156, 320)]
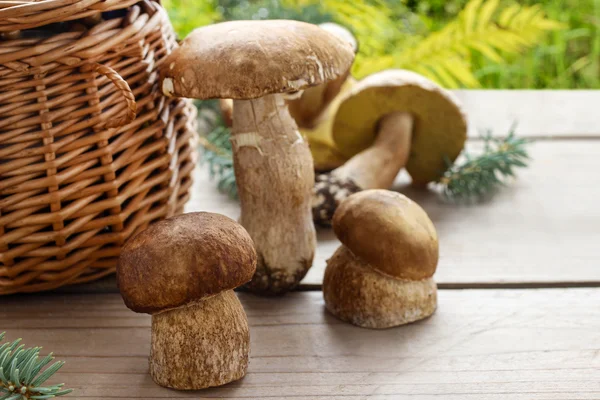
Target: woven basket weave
[(90, 151)]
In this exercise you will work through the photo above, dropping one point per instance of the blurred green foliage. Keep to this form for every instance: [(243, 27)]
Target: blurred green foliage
[(459, 43), (567, 59), (189, 14)]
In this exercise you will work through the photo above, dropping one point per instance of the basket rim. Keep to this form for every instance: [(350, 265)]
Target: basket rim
[(22, 57), (28, 14)]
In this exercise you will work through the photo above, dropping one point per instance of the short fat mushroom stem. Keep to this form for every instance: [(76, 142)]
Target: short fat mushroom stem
[(200, 345), (274, 173), (357, 293), (373, 168)]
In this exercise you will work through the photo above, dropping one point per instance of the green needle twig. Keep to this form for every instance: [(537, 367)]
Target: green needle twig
[(218, 156), (473, 180), (478, 177), (21, 373)]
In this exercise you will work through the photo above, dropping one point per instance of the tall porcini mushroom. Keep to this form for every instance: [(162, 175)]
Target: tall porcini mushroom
[(254, 62), (390, 120), (381, 276), (182, 271), (307, 109)]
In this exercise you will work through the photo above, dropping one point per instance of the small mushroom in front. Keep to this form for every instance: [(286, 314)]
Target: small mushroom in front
[(381, 276), (254, 63), (182, 271), (388, 121)]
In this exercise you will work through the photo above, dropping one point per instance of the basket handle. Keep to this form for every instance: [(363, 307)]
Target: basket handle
[(123, 86)]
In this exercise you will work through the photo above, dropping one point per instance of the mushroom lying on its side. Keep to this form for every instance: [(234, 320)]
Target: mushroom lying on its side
[(182, 271), (381, 276), (390, 120), (254, 62)]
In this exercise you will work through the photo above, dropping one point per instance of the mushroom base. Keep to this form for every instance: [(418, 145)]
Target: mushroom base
[(356, 293), (201, 345), (268, 281), (328, 193)]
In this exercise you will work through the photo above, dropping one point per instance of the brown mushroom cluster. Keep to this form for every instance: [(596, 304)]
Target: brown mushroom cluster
[(271, 77)]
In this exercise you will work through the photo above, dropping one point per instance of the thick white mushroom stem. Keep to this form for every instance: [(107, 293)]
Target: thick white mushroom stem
[(200, 345), (373, 168), (274, 173)]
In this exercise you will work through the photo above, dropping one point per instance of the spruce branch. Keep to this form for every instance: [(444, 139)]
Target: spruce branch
[(218, 156), (21, 373), (472, 181), (480, 176)]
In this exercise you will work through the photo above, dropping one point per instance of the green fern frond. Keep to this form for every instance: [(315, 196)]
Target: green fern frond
[(445, 56), (21, 373), (375, 27)]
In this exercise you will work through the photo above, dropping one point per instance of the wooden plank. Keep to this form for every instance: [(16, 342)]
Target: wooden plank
[(480, 344), (541, 230), (539, 113)]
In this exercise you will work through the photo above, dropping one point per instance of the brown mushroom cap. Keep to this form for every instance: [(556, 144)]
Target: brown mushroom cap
[(184, 259), (250, 59), (440, 127), (390, 232)]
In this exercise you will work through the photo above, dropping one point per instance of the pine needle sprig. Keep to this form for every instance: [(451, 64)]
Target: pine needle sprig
[(478, 177), (218, 156), (21, 373), (472, 181)]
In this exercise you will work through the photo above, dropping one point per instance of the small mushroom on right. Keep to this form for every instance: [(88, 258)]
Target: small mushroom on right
[(382, 275), (390, 120)]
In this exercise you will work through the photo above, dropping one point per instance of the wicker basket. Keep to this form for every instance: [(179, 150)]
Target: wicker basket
[(79, 171)]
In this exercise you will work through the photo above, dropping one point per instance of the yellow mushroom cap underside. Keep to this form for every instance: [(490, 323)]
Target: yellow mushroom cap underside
[(440, 126), (325, 155)]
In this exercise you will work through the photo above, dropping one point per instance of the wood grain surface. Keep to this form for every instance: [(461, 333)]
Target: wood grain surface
[(543, 229), (480, 344), (538, 113)]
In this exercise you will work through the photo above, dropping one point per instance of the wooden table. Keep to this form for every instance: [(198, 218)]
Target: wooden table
[(519, 309)]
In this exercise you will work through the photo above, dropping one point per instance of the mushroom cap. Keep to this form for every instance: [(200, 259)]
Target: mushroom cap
[(183, 259), (440, 126), (341, 32), (390, 232), (250, 59)]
